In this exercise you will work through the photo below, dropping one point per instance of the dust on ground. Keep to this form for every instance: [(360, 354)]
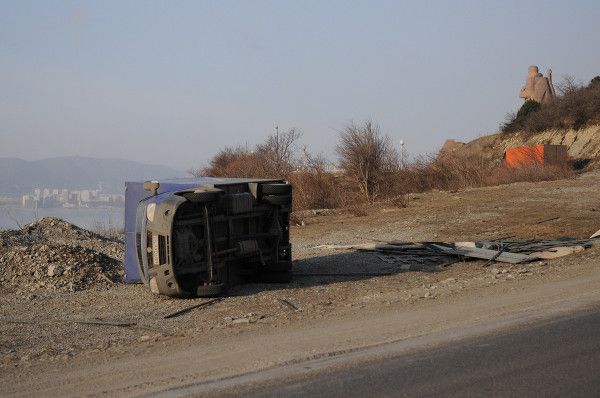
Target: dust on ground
[(41, 325)]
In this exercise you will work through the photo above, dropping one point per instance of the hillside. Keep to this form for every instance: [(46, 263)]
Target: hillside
[(18, 176), (583, 145)]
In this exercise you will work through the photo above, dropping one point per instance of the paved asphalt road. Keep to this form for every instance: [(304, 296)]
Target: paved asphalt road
[(560, 358)]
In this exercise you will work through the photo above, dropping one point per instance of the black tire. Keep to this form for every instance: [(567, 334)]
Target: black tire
[(213, 290), (276, 277), (277, 200), (276, 189), (203, 196)]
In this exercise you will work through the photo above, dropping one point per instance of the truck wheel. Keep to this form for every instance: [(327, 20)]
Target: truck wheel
[(276, 277), (277, 200), (210, 290), (276, 189), (203, 196)]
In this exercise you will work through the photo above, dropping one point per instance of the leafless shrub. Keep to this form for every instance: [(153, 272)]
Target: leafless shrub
[(446, 172), (365, 156), (568, 85), (315, 187), (15, 219), (272, 159), (237, 162), (278, 151)]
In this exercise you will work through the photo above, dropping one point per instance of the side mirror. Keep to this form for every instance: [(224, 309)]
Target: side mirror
[(151, 186)]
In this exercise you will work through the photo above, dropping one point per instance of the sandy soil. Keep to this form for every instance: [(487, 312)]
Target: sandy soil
[(49, 347)]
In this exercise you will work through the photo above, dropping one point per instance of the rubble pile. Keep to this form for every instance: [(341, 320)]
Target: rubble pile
[(53, 254)]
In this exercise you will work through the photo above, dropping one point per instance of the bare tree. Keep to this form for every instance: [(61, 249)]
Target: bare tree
[(273, 158), (366, 156), (315, 186), (568, 85), (279, 150)]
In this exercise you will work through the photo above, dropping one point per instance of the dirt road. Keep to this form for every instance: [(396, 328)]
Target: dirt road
[(47, 351)]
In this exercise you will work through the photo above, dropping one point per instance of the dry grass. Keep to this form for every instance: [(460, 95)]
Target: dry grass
[(315, 189), (449, 173)]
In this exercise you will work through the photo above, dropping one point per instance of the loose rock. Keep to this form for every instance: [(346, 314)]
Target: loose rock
[(53, 254)]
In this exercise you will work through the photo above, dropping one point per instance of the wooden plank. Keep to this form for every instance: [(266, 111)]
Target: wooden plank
[(188, 309), (557, 252), (486, 254)]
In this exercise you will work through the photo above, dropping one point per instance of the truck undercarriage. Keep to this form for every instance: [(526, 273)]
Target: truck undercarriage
[(202, 241)]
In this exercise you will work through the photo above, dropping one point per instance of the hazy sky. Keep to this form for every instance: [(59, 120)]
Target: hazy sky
[(171, 82)]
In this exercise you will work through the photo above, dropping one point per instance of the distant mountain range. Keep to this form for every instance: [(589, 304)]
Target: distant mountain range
[(19, 177)]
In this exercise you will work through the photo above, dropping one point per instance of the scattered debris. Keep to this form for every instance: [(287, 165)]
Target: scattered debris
[(289, 304), (249, 318), (485, 254), (534, 246), (547, 219), (502, 249), (437, 254), (559, 251), (193, 307), (106, 323), (364, 246)]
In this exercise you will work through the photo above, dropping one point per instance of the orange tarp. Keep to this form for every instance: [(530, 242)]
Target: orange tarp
[(541, 155)]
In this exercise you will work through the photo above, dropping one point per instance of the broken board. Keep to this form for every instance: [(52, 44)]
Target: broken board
[(485, 254)]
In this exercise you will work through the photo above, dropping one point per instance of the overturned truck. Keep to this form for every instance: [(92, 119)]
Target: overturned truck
[(196, 237)]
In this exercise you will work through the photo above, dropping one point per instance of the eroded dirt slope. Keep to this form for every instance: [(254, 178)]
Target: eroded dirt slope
[(581, 144)]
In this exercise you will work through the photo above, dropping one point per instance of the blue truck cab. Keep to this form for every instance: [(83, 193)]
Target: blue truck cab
[(196, 237)]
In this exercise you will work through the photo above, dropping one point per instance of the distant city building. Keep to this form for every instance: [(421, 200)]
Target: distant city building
[(29, 201), (60, 197)]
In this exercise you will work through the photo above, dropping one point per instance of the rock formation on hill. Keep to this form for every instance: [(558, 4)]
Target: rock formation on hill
[(537, 87)]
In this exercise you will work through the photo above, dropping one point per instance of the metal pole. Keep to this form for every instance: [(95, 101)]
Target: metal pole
[(402, 154)]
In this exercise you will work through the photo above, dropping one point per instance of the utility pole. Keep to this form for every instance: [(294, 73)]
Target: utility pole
[(402, 154)]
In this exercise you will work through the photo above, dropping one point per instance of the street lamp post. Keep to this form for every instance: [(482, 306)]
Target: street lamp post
[(401, 154)]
